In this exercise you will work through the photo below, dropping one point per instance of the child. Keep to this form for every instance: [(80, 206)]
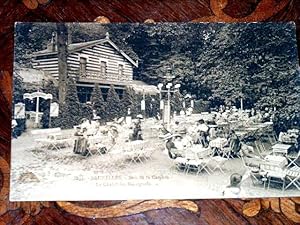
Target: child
[(233, 190)]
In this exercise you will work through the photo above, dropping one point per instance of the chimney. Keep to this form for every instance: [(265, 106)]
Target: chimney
[(69, 38), (69, 41), (52, 46)]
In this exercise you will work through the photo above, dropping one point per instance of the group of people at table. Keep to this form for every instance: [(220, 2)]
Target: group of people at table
[(92, 132), (212, 134), (202, 136), (215, 129)]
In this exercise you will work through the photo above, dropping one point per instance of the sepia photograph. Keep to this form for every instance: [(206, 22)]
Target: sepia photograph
[(155, 111)]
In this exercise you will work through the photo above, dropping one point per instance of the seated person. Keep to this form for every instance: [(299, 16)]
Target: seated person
[(250, 157), (176, 145), (170, 146), (202, 139), (212, 133), (233, 142), (81, 143), (137, 133), (202, 130), (201, 126)]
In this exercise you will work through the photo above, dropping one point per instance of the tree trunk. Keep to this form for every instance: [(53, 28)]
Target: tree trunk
[(62, 52)]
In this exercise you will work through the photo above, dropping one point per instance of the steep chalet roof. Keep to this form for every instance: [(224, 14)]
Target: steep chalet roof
[(82, 45)]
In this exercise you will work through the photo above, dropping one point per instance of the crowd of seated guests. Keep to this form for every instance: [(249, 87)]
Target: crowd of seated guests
[(199, 134), (221, 123)]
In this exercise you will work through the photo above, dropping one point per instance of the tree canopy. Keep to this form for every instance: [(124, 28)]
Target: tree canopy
[(215, 62)]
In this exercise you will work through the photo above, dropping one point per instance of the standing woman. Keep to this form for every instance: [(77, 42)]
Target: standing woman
[(14, 124)]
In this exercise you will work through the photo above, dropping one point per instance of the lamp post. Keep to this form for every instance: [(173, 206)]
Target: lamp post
[(161, 102), (167, 108)]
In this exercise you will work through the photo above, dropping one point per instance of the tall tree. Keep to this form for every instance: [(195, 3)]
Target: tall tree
[(70, 110), (129, 100), (62, 54), (98, 101), (113, 103), (18, 88)]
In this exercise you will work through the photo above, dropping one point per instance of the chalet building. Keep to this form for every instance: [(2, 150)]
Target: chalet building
[(99, 61)]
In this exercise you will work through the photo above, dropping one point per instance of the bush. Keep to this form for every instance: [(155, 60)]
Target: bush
[(98, 102), (201, 106), (21, 127), (152, 105), (113, 104), (86, 111), (70, 113), (129, 100)]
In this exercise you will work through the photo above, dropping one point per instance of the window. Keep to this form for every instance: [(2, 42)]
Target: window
[(121, 70), (84, 94), (103, 68), (83, 62)]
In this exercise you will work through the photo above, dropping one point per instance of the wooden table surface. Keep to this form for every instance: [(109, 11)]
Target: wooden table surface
[(256, 211)]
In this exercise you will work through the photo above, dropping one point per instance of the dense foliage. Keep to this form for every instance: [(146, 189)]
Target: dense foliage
[(70, 113), (113, 103), (130, 102), (98, 102), (18, 91), (217, 63)]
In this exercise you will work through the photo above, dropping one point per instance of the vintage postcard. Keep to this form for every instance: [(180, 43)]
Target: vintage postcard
[(155, 111)]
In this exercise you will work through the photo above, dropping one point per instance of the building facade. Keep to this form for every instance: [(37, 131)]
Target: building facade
[(99, 61)]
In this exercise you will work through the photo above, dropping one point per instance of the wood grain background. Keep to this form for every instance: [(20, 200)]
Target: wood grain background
[(255, 211)]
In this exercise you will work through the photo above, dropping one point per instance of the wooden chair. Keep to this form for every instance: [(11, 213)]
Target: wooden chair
[(252, 169), (226, 152), (200, 161), (293, 176), (135, 151), (180, 163), (219, 163), (274, 174)]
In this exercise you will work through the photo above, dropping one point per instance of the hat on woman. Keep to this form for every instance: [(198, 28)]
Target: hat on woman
[(140, 116)]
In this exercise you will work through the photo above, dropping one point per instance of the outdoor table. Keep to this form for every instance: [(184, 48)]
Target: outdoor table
[(273, 167), (218, 142), (276, 160), (289, 141), (281, 148), (197, 149)]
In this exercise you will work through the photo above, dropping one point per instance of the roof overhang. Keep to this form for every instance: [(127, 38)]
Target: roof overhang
[(79, 46)]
